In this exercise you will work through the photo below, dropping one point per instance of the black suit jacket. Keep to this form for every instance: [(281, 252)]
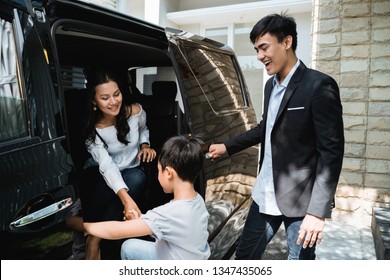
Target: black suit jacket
[(307, 143)]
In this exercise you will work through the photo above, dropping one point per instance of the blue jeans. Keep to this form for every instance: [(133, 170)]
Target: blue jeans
[(259, 230), (137, 249), (135, 180), (100, 202)]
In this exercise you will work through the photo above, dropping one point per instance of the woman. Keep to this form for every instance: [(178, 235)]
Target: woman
[(118, 140)]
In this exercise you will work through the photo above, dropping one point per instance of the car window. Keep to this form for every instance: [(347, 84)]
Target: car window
[(216, 74), (13, 120)]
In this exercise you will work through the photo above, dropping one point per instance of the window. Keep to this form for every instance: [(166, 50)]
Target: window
[(237, 36), (251, 67), (145, 78), (111, 4), (13, 120), (216, 74), (219, 34)]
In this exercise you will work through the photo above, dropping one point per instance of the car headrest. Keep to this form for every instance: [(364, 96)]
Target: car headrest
[(164, 91)]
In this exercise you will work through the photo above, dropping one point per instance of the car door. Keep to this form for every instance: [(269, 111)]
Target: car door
[(34, 164)]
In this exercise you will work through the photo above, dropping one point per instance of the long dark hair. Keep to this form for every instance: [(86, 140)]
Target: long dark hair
[(97, 77)]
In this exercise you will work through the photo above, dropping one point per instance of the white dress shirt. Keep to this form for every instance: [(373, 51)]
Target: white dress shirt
[(263, 192)]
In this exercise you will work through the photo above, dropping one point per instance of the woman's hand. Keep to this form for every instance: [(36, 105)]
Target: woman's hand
[(130, 208), (146, 154)]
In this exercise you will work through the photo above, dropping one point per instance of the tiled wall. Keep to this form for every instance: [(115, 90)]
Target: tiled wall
[(353, 46)]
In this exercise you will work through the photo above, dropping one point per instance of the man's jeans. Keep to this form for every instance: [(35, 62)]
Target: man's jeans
[(259, 230)]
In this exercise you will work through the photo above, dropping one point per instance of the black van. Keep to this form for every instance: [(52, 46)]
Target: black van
[(186, 84)]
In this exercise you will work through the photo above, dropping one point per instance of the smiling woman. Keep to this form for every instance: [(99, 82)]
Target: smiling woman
[(118, 140), (108, 99)]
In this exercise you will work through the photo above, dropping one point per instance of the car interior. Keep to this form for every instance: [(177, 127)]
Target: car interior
[(145, 70), (151, 80)]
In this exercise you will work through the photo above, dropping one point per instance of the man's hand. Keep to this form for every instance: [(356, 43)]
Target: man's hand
[(216, 150), (311, 231)]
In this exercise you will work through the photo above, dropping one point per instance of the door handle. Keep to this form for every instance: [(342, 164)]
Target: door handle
[(42, 213)]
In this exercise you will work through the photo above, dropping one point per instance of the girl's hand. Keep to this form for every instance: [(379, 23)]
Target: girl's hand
[(146, 154)]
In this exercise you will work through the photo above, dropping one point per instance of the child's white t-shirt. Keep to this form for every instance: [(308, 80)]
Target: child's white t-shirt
[(180, 229)]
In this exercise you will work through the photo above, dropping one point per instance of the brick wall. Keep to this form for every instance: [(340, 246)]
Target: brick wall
[(353, 46)]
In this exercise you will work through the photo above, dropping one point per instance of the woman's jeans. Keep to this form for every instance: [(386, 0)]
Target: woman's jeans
[(100, 202), (137, 249), (259, 230)]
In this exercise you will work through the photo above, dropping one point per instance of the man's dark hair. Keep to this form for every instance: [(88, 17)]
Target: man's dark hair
[(185, 155), (276, 25)]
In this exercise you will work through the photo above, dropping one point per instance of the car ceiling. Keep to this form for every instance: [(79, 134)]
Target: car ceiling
[(87, 51)]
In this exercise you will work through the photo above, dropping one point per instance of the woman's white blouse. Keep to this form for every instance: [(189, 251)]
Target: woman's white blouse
[(118, 156)]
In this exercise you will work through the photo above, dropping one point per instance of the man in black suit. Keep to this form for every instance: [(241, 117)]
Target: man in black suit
[(302, 146)]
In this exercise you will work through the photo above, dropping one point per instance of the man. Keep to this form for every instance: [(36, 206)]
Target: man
[(302, 146)]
